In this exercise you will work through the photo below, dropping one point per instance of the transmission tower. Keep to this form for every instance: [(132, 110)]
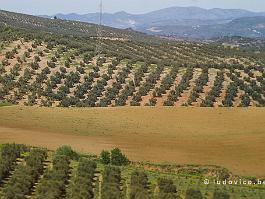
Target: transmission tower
[(99, 30), (100, 12)]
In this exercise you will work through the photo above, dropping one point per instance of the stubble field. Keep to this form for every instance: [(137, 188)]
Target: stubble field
[(230, 137)]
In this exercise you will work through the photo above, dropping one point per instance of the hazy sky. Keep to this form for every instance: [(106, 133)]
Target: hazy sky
[(133, 6)]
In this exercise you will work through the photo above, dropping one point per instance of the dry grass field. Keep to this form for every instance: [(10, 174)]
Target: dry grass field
[(233, 138)]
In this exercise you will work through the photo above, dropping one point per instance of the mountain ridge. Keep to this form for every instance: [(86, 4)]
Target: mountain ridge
[(174, 18), (176, 13), (252, 27), (67, 27)]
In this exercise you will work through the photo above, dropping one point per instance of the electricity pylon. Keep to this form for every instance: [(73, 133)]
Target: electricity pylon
[(99, 31)]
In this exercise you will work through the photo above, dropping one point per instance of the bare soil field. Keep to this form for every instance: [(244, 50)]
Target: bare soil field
[(230, 137)]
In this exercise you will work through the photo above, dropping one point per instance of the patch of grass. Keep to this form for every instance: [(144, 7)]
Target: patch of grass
[(3, 103)]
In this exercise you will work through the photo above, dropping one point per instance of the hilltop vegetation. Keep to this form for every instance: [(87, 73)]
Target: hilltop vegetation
[(76, 28), (44, 69)]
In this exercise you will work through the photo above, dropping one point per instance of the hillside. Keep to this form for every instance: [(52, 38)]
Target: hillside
[(181, 22), (65, 27), (243, 42), (173, 16), (252, 27), (158, 100), (59, 70)]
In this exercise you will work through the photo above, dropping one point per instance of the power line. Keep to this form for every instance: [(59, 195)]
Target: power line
[(99, 30), (101, 12)]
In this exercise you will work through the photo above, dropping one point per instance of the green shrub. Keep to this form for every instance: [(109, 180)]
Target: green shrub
[(117, 158), (105, 157), (139, 185), (220, 195), (67, 151), (193, 194), (111, 183)]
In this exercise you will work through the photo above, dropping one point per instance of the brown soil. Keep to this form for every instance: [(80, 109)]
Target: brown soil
[(233, 138)]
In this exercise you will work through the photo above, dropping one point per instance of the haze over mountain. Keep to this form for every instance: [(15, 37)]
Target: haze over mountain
[(190, 22), (39, 24)]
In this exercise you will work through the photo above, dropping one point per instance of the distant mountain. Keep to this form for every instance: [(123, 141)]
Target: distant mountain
[(252, 27), (189, 22), (196, 13), (68, 27), (120, 20)]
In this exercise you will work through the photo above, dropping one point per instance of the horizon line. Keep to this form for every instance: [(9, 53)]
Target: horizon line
[(84, 13)]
